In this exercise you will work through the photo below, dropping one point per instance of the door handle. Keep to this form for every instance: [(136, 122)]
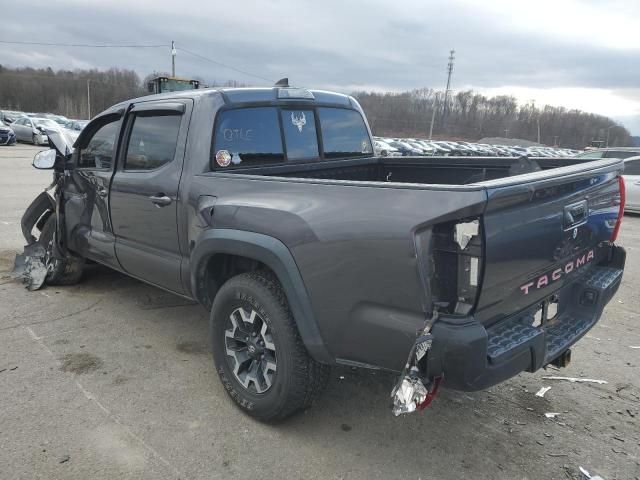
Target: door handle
[(160, 200)]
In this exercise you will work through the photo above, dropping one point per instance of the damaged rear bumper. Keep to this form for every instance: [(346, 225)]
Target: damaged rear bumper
[(471, 357)]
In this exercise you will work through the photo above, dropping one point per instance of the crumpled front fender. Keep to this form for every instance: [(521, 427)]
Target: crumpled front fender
[(36, 214)]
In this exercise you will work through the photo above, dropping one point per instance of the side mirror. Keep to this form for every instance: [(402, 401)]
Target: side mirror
[(44, 160)]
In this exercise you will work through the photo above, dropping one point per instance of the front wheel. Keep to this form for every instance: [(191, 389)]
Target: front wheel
[(67, 271), (257, 350), (34, 139)]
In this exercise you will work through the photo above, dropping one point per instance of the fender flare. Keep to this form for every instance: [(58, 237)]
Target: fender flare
[(274, 254)]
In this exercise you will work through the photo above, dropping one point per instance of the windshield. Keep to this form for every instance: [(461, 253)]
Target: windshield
[(45, 122)]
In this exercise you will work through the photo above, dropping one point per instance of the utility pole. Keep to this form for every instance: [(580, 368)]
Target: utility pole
[(555, 140), (446, 92), (608, 132), (88, 100), (538, 122), (506, 133), (173, 58), (433, 117)]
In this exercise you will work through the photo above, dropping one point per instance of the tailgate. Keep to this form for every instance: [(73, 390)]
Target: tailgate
[(543, 230)]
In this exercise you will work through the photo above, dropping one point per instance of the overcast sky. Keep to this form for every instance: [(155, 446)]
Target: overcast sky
[(576, 53)]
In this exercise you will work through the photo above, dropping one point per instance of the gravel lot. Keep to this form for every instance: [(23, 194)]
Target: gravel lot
[(112, 379)]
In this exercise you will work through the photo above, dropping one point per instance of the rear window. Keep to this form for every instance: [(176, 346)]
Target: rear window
[(344, 133), (300, 134), (257, 136), (250, 136)]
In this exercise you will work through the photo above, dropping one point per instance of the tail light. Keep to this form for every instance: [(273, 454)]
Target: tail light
[(616, 229), (456, 269)]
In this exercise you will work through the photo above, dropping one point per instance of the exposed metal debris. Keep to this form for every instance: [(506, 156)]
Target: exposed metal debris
[(409, 393), (551, 414), (542, 391), (465, 232), (575, 380), (585, 475), (30, 266)]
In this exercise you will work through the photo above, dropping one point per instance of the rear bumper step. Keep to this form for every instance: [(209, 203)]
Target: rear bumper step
[(471, 357)]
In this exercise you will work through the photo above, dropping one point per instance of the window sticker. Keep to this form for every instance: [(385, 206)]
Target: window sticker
[(235, 158), (298, 120), (223, 158)]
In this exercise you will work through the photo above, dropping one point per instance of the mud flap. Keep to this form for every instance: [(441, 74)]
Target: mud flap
[(30, 266)]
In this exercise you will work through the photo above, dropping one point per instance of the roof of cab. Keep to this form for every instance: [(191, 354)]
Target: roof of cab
[(247, 95)]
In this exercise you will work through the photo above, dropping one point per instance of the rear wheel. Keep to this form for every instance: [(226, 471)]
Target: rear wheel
[(67, 271), (257, 350)]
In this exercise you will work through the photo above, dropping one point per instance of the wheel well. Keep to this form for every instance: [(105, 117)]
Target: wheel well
[(221, 267)]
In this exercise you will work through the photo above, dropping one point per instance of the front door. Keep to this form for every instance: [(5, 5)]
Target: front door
[(86, 191), (144, 192)]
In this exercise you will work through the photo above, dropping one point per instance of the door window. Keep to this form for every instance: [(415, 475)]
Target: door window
[(632, 167), (99, 151), (621, 154), (152, 142)]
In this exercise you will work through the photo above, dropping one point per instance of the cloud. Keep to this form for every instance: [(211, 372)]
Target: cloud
[(546, 46)]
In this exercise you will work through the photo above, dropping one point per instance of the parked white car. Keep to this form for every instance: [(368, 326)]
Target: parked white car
[(33, 129), (632, 184)]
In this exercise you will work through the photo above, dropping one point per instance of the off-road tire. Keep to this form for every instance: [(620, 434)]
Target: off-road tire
[(60, 272), (298, 379)]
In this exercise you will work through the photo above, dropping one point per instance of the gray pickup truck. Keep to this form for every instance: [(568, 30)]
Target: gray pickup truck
[(268, 207)]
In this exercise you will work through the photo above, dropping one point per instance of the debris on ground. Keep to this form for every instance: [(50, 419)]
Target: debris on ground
[(542, 391), (30, 266), (575, 379), (634, 346), (585, 475), (551, 414), (408, 394), (64, 459)]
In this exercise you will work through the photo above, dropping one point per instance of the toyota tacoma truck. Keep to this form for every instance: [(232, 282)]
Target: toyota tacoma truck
[(268, 207)]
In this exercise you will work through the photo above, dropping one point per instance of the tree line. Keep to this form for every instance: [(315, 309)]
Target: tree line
[(74, 94), (471, 116)]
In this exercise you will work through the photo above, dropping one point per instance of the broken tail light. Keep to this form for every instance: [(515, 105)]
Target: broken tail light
[(616, 229), (457, 265)]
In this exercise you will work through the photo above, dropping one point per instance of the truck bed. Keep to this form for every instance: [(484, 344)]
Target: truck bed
[(416, 170)]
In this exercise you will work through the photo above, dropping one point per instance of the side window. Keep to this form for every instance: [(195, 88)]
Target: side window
[(99, 151), (246, 137), (344, 133), (632, 167), (594, 154), (300, 134), (620, 154), (152, 142)]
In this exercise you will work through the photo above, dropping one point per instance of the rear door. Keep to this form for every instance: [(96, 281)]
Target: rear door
[(541, 230), (144, 192)]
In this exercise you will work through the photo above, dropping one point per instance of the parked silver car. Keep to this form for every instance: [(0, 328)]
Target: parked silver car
[(632, 184), (33, 129)]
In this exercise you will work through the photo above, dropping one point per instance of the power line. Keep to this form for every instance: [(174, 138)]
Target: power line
[(202, 57), (94, 45), (89, 45)]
